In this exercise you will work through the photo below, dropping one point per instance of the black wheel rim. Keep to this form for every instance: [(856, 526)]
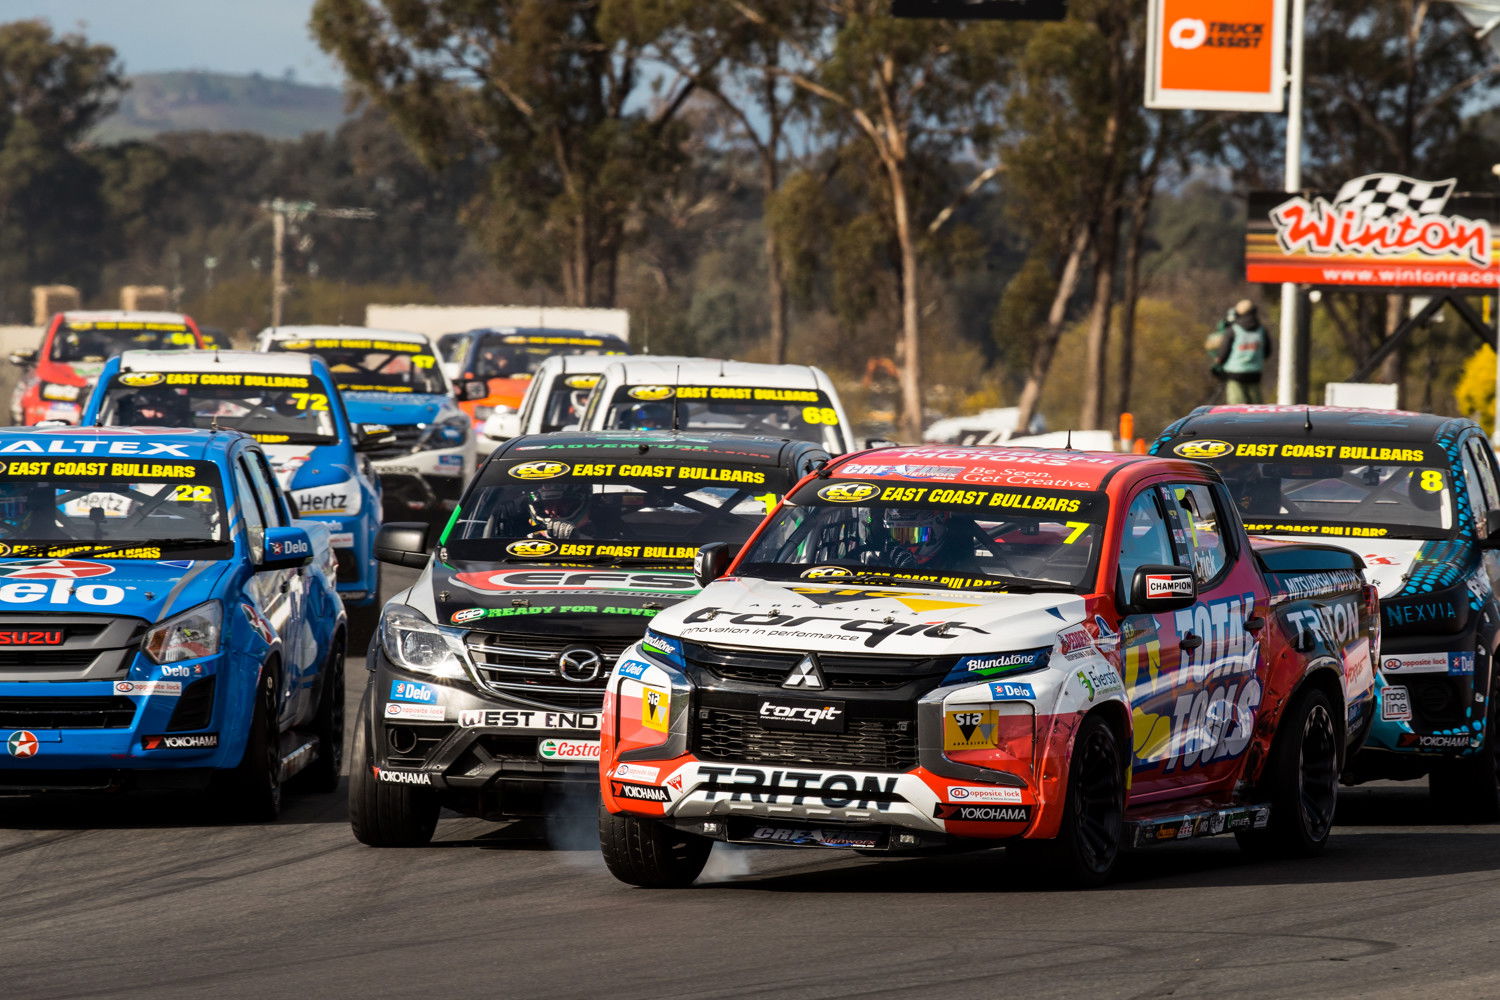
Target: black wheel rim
[(1318, 772), (1098, 801)]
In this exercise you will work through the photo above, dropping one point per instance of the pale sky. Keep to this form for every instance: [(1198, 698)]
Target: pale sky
[(227, 36)]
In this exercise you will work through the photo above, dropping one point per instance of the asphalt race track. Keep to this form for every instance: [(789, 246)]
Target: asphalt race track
[(145, 897)]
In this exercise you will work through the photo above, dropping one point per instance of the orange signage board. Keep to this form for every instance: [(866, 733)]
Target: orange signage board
[(1216, 55)]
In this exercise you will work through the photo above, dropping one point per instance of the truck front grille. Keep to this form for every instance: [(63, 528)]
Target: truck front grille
[(867, 744), (527, 667)]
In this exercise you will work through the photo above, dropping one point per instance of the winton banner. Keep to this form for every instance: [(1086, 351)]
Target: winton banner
[(1379, 230), (1217, 55)]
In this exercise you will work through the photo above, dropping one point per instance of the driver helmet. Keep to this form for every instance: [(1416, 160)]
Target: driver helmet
[(648, 417), (917, 529), (159, 407), (558, 501)]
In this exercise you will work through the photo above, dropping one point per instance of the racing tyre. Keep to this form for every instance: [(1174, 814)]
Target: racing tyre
[(1093, 824), (386, 815), (1302, 779), (252, 791), (649, 854), (322, 775), (1467, 790)]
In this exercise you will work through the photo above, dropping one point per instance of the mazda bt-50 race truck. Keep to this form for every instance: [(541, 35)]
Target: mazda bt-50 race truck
[(288, 403), (488, 673), (395, 390), (1416, 497), (928, 647), (163, 621)]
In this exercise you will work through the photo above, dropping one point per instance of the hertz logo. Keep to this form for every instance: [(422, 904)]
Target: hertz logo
[(848, 492), (1203, 449), (539, 470), (139, 379), (531, 548), (649, 393), (582, 381)]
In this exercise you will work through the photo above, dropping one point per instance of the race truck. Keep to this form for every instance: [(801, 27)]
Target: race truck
[(555, 400), (506, 359), (394, 389), (1416, 497), (705, 394), (926, 648), (488, 673), (164, 621), (56, 378), (290, 404)]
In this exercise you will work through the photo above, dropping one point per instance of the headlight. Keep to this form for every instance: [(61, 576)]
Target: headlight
[(413, 643), (187, 636), (337, 498), (449, 431), (61, 393)]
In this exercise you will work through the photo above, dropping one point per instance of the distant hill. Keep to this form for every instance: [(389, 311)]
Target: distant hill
[(220, 102)]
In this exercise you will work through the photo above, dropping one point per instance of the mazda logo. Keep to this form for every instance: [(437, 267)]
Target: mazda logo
[(580, 665)]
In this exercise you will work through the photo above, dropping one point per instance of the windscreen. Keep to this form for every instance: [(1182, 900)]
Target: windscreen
[(1319, 488), (273, 409), (90, 342), (798, 414), (566, 401), (54, 508), (514, 356), (641, 509), (958, 537), (372, 365)]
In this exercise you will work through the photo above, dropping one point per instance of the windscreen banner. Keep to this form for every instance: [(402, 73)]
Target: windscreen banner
[(1376, 231)]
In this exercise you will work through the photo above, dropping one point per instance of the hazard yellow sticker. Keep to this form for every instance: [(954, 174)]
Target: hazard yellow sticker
[(972, 729), (656, 709)]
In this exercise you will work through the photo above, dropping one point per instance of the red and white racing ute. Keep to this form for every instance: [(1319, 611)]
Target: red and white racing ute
[(1065, 652)]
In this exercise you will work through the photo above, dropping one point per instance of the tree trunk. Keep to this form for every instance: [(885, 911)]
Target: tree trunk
[(775, 279), (1395, 362), (1096, 364), (1140, 210), (1041, 361), (911, 341)]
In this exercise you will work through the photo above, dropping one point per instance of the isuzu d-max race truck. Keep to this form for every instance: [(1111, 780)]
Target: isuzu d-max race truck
[(924, 647), (488, 673), (163, 620), (1415, 496)]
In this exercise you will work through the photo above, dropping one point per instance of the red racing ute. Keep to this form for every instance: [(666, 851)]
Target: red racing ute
[(927, 647)]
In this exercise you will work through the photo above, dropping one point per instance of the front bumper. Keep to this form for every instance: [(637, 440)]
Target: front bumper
[(1426, 701)]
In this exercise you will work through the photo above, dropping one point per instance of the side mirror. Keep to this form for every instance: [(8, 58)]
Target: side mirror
[(403, 543), (1491, 539), (1161, 588), (711, 562), (880, 443), (286, 548), (470, 389), (23, 358), (368, 437)]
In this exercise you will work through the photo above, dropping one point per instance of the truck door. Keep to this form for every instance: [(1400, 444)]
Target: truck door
[(279, 592)]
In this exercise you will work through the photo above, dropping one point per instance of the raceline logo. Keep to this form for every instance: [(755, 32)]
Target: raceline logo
[(1203, 449), (848, 492), (651, 393), (142, 379), (531, 548), (581, 381), (1382, 215), (539, 470)]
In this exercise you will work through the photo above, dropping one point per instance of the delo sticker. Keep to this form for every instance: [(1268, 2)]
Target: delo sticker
[(414, 691), (1011, 691)]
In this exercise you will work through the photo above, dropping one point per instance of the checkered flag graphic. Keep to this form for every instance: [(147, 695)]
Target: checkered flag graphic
[(1378, 196)]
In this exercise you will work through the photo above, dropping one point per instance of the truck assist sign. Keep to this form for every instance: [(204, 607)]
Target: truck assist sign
[(1215, 56)]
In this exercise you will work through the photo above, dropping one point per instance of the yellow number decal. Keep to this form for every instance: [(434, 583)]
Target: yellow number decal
[(423, 360), (820, 415), (769, 499), (1079, 527), (193, 493), (1432, 480), (182, 338), (310, 400)]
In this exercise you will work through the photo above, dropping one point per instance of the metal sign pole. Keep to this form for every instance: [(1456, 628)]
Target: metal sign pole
[(1288, 350)]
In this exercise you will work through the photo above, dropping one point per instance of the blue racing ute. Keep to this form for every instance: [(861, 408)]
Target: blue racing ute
[(163, 620), (291, 405)]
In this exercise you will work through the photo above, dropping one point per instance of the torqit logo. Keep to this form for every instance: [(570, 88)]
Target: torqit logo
[(141, 379), (848, 492), (531, 548), (539, 470), (1203, 449), (650, 393)]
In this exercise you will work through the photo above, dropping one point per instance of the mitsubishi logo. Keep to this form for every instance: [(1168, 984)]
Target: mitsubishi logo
[(579, 665), (805, 675)]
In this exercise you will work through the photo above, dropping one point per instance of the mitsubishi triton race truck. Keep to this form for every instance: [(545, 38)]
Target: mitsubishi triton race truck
[(290, 405), (163, 621), (927, 647), (488, 673), (59, 374), (1416, 497), (395, 390)]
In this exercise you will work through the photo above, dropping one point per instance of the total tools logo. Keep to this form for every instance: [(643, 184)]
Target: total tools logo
[(1382, 215)]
